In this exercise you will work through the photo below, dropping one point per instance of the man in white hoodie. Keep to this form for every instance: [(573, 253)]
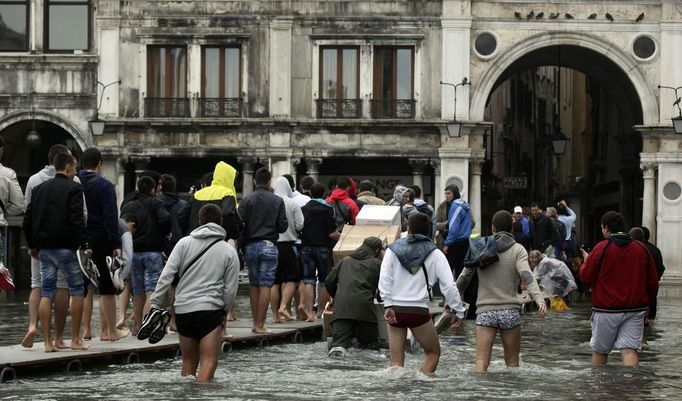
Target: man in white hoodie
[(205, 292), (287, 273), (61, 304), (410, 268)]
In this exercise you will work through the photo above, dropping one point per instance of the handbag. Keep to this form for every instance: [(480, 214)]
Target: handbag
[(6, 282)]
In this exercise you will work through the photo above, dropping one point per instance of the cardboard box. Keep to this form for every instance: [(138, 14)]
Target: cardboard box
[(352, 237), (374, 215)]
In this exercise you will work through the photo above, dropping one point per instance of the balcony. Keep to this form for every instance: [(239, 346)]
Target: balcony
[(393, 108), (220, 107), (339, 108), (166, 107)]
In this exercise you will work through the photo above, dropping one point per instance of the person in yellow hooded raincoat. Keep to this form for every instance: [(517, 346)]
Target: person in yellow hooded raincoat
[(222, 193)]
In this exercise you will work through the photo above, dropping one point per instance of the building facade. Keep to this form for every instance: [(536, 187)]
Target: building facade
[(354, 87)]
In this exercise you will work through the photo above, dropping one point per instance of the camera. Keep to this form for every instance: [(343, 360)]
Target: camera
[(585, 247)]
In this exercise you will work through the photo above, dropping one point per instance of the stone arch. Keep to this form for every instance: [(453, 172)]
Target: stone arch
[(17, 117), (482, 89)]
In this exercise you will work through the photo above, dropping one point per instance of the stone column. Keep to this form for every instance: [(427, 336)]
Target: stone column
[(295, 161), (649, 204), (280, 67), (247, 174), (313, 167), (418, 166), (280, 166), (437, 188), (475, 169)]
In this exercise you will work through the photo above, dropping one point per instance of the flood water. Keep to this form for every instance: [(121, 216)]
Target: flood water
[(555, 364)]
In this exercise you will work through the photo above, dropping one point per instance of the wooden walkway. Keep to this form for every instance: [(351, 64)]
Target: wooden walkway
[(15, 360)]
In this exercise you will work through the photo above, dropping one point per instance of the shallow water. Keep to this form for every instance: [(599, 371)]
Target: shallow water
[(555, 364)]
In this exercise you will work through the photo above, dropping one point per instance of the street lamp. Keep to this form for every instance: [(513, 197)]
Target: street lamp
[(455, 127), (559, 142), (677, 121), (97, 125)]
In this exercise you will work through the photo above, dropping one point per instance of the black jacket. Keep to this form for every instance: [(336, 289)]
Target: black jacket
[(153, 221), (541, 233), (318, 223), (188, 216), (174, 204), (264, 216), (55, 218)]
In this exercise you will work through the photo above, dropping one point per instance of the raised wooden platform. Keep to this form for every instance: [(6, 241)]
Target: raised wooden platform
[(15, 359)]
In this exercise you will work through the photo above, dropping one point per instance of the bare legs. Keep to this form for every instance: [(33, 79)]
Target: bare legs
[(284, 311), (76, 315), (426, 336), (107, 313), (322, 299), (123, 301), (87, 313), (202, 352), (511, 343), (260, 300), (45, 313), (33, 304), (274, 302), (305, 308), (630, 358), (61, 309)]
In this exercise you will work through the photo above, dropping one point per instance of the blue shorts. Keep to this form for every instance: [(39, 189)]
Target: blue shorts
[(315, 259), (261, 259), (54, 260), (147, 267)]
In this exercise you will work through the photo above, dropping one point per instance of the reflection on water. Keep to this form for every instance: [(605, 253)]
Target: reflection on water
[(555, 364)]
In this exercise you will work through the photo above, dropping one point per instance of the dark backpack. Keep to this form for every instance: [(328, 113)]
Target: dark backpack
[(424, 208), (558, 232), (341, 214)]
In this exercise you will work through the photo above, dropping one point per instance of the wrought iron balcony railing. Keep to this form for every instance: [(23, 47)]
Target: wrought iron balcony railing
[(166, 107), (220, 107), (339, 108), (393, 108)]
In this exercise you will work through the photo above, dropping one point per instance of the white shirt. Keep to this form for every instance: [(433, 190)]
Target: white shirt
[(400, 288)]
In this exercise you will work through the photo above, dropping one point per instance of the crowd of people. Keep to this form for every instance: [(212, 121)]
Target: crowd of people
[(184, 255)]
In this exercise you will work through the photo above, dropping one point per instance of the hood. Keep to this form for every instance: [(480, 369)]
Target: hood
[(281, 187), (338, 195), (460, 202), (47, 173), (412, 251), (504, 241), (620, 239), (419, 202), (86, 176), (222, 185), (398, 193), (169, 199), (362, 252), (353, 190), (209, 230), (317, 206)]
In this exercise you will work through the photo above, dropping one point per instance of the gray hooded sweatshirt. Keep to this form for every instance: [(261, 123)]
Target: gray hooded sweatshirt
[(294, 214), (211, 283)]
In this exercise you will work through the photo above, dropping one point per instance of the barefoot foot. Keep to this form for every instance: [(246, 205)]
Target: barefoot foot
[(301, 312), (79, 345), (231, 317), (27, 341), (285, 315), (120, 334), (59, 344), (49, 347)]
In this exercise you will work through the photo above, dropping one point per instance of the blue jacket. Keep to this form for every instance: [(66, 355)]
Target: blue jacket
[(459, 222), (100, 198)]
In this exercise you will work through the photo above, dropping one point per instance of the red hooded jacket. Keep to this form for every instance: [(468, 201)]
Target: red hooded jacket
[(339, 195), (622, 274)]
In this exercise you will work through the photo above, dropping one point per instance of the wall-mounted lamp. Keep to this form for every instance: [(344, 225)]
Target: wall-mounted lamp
[(559, 142), (455, 127), (33, 137), (97, 125), (677, 121)]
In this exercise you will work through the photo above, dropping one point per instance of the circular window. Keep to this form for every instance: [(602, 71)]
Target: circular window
[(644, 47), (485, 44), (672, 191)]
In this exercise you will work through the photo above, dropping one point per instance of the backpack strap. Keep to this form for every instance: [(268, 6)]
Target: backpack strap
[(428, 285), (189, 265)]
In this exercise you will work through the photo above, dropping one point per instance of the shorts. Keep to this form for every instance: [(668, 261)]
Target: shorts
[(411, 317), (99, 258), (315, 259), (503, 319), (54, 260), (147, 267), (198, 325), (287, 263), (35, 276), (617, 330), (261, 259)]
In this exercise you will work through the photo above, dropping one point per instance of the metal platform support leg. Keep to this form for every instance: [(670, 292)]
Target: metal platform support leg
[(8, 373), (263, 342), (74, 366), (297, 337), (226, 347), (132, 357)]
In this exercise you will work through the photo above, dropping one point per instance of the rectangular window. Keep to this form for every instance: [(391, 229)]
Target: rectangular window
[(14, 25), (166, 82), (339, 83), (393, 93), (220, 82), (67, 25)]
